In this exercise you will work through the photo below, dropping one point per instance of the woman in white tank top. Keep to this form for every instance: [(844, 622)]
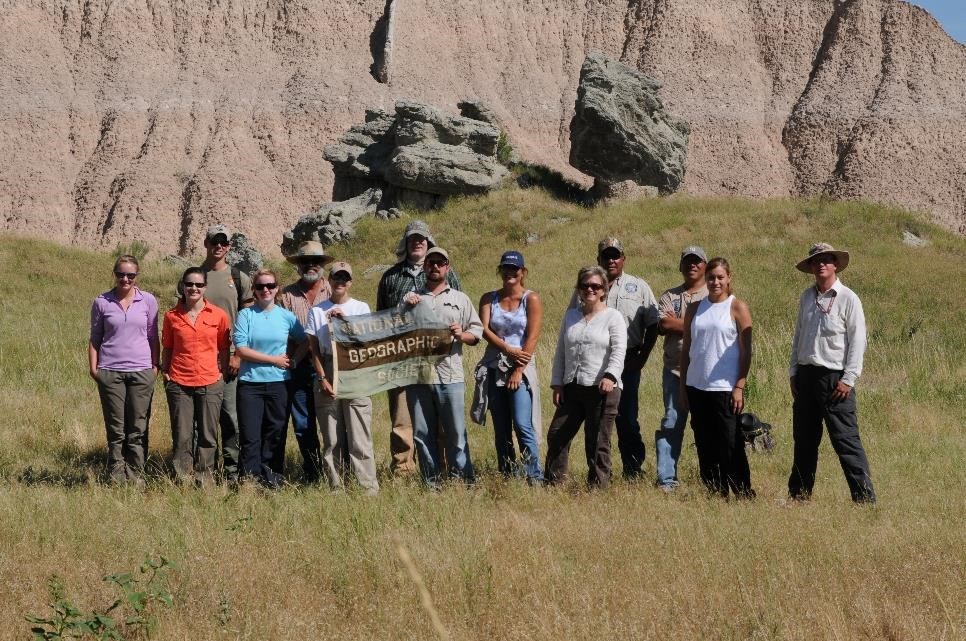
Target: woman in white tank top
[(715, 360)]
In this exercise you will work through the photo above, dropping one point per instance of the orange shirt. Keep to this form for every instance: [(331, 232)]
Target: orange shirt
[(194, 348)]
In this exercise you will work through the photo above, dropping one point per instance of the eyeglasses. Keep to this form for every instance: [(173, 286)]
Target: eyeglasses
[(127, 275), (438, 263), (341, 277), (189, 285), (611, 254), (220, 243), (593, 287), (263, 286), (823, 258)]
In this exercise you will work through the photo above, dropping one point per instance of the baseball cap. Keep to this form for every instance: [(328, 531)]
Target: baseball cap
[(216, 230), (512, 258), (609, 242), (341, 266), (694, 250)]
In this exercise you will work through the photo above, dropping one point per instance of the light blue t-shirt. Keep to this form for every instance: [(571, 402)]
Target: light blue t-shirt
[(268, 333)]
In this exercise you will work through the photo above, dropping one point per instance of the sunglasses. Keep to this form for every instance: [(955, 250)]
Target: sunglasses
[(190, 285), (611, 254), (593, 287), (340, 277), (438, 263), (824, 258), (263, 286), (127, 275)]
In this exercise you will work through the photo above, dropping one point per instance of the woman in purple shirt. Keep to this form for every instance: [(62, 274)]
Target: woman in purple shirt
[(123, 353)]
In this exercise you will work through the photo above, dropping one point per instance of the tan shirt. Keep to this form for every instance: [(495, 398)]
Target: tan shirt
[(674, 302), (453, 306), (830, 332)]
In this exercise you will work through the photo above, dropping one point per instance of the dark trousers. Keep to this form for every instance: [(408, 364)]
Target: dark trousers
[(262, 420), (582, 404), (194, 428), (301, 407), (629, 440), (126, 405), (721, 446), (813, 405)]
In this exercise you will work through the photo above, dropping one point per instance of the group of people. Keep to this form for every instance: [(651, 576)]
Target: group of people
[(240, 358)]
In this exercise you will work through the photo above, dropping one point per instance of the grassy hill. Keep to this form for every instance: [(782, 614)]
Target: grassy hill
[(504, 561)]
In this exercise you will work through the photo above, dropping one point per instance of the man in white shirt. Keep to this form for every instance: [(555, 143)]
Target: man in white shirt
[(440, 405), (826, 362)]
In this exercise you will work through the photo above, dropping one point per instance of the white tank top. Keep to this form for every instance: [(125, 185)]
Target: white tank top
[(714, 347)]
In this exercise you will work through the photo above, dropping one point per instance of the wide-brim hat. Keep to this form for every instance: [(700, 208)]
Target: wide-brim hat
[(817, 249), (310, 249)]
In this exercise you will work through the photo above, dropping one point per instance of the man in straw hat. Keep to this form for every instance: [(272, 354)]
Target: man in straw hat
[(406, 276), (826, 361), (310, 289)]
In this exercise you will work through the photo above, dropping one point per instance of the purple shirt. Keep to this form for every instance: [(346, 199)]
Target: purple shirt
[(123, 339)]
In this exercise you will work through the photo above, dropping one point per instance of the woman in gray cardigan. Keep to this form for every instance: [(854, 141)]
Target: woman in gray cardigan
[(586, 377)]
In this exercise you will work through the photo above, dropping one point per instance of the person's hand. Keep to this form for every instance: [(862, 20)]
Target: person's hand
[(282, 361), (234, 364), (793, 386), (519, 356), (516, 378), (335, 312), (557, 395), (93, 373), (606, 386), (155, 370), (457, 331), (326, 387), (412, 298), (841, 391), (737, 400)]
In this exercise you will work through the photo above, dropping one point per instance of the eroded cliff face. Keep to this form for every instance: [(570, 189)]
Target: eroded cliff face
[(150, 119)]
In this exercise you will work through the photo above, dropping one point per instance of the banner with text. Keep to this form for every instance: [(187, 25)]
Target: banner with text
[(387, 349)]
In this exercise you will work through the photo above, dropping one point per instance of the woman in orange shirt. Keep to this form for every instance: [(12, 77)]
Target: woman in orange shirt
[(194, 340)]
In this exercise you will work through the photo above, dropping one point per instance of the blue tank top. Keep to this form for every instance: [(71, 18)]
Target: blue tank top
[(510, 326)]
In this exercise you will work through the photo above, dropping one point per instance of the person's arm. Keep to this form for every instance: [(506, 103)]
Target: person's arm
[(617, 343), (96, 336), (471, 328), (247, 294), (167, 346), (686, 355), (559, 363), (316, 354), (796, 339), (742, 316), (534, 327), (152, 332), (668, 322), (244, 352), (166, 362), (855, 339)]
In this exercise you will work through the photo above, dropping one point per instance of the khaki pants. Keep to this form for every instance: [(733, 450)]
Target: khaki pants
[(346, 427), (126, 404), (191, 409)]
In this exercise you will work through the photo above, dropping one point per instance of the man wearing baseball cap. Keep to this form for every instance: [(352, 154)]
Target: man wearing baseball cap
[(230, 289), (633, 298), (674, 302), (299, 297), (826, 361), (439, 406), (406, 276)]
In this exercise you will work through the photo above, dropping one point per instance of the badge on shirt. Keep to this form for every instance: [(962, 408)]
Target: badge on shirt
[(630, 288)]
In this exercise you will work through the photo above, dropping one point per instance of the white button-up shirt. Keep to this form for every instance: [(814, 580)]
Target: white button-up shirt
[(835, 338), (586, 350)]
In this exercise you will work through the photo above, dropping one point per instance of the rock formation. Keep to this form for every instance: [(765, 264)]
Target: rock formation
[(418, 156), (332, 222), (620, 130), (151, 120), (243, 255)]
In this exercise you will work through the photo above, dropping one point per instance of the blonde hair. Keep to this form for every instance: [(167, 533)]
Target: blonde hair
[(593, 270)]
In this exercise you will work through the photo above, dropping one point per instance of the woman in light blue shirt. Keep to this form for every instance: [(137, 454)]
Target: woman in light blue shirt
[(262, 335)]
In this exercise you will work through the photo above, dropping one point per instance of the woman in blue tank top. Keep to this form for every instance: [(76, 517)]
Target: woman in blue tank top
[(715, 359), (512, 317)]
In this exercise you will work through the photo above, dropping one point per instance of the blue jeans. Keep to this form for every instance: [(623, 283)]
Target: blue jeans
[(668, 439), (629, 440), (301, 400), (433, 407), (513, 411)]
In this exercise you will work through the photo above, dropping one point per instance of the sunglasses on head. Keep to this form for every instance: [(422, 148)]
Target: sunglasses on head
[(127, 275), (264, 286), (594, 287), (193, 285)]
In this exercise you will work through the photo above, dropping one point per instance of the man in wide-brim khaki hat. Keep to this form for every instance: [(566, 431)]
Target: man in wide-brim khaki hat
[(826, 362)]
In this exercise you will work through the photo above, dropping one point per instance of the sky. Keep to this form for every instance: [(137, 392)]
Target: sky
[(951, 14)]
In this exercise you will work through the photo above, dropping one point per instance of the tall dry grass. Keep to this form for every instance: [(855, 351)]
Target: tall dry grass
[(503, 560)]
